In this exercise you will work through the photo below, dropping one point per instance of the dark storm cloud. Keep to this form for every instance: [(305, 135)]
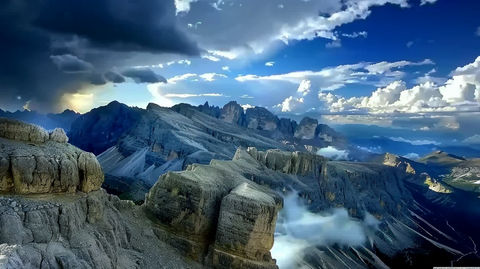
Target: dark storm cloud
[(71, 64), (97, 34), (143, 75), (114, 77), (97, 79)]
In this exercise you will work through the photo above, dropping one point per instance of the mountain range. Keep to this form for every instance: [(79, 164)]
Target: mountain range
[(196, 172)]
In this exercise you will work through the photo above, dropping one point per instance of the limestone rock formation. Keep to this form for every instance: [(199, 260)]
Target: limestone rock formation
[(93, 230), (232, 113), (259, 118), (49, 121), (59, 135), (214, 207), (287, 126), (326, 133), (102, 127), (306, 128), (31, 161)]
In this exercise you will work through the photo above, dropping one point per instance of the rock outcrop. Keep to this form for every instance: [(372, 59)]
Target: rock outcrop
[(217, 216), (49, 121), (326, 133), (259, 118), (34, 161), (232, 113), (287, 126), (101, 128), (306, 128)]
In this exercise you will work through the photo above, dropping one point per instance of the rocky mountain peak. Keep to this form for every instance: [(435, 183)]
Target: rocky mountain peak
[(306, 128), (232, 112), (260, 118)]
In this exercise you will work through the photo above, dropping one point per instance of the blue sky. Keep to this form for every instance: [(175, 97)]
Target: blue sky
[(399, 63)]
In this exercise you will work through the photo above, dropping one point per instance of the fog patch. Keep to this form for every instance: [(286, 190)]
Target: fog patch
[(333, 153), (298, 230)]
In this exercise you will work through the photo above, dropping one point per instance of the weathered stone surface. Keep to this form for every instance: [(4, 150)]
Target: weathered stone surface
[(287, 126), (94, 230), (189, 204), (59, 135), (326, 133), (17, 130), (245, 226), (306, 128), (45, 167), (259, 118), (232, 113)]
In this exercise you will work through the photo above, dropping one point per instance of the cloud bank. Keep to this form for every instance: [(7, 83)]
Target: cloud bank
[(297, 230)]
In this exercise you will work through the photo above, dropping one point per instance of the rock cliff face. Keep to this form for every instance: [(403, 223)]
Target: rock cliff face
[(306, 128), (49, 121), (287, 126), (46, 163), (232, 113), (102, 127), (259, 118)]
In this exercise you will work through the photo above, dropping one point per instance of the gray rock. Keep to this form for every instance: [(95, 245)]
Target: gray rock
[(17, 130), (102, 127), (306, 128), (45, 167), (232, 113), (259, 118), (287, 126), (58, 135)]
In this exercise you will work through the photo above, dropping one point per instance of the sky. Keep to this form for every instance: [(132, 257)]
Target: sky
[(396, 63)]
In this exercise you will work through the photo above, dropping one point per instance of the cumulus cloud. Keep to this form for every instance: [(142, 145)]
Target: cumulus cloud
[(304, 87), (269, 63), (290, 104), (333, 153), (298, 230), (475, 139), (410, 43), (81, 42), (226, 68), (412, 156), (415, 142)]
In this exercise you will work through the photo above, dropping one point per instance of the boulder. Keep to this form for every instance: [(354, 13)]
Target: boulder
[(306, 128), (59, 135)]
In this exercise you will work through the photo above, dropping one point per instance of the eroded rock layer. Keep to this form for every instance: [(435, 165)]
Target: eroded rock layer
[(46, 164)]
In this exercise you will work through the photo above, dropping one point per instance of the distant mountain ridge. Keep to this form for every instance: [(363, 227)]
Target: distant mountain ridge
[(49, 121)]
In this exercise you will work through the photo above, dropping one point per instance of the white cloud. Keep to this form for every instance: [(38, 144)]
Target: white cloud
[(334, 44), (269, 63), (267, 23), (385, 67), (415, 142), (478, 31), (410, 43), (211, 76), (226, 68), (211, 58), (246, 96), (290, 104), (333, 153), (247, 106), (187, 62), (304, 87), (475, 139), (412, 156), (175, 79), (188, 95), (355, 34), (424, 2)]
